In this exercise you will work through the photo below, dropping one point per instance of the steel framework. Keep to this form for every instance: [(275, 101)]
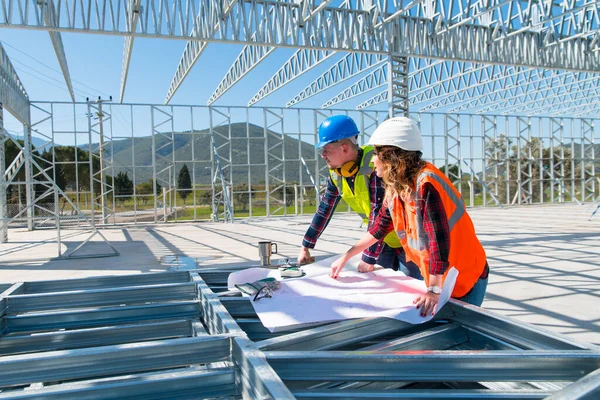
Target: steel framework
[(262, 161), (488, 56), (171, 334)]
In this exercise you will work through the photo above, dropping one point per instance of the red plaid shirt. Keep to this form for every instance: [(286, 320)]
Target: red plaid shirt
[(435, 225)]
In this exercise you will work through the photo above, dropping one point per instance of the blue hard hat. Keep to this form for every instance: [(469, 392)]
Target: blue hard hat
[(336, 128)]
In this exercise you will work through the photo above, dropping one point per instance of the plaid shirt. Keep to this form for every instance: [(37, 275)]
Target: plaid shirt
[(329, 202), (435, 226)]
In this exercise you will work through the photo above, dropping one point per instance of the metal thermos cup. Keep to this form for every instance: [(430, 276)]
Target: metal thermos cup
[(265, 250)]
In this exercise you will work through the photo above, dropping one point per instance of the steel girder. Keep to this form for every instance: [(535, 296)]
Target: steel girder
[(351, 65), (298, 64), (134, 13), (530, 90), (497, 32), (13, 96), (192, 52), (59, 49), (251, 56)]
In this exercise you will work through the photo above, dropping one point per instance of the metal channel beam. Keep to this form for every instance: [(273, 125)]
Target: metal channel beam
[(175, 384), (520, 334), (454, 394), (189, 309), (586, 388), (437, 31), (434, 366), (215, 317), (92, 362), (336, 335), (100, 297), (256, 377), (441, 337), (153, 278), (74, 339), (13, 96)]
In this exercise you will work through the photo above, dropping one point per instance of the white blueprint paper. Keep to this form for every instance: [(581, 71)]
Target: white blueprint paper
[(317, 297)]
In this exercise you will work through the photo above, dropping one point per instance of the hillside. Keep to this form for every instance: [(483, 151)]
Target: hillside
[(247, 146)]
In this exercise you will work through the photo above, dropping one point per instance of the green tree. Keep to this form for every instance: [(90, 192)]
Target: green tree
[(123, 187), (147, 189), (184, 182)]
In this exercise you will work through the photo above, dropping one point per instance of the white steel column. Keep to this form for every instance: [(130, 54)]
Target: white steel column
[(588, 171), (397, 85), (3, 186), (452, 147), (29, 189)]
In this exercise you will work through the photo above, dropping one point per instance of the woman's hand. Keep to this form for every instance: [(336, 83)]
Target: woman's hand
[(427, 303), (337, 267), (364, 267)]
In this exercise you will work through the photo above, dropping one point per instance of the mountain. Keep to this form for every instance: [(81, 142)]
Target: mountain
[(247, 146)]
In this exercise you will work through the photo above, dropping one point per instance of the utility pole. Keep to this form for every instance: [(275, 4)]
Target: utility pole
[(100, 115)]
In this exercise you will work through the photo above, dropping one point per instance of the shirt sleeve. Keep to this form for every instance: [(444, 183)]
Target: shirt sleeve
[(383, 222), (329, 202), (376, 195), (435, 225)]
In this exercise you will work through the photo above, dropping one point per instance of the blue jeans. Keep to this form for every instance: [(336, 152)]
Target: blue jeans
[(409, 268), (388, 258), (477, 293)]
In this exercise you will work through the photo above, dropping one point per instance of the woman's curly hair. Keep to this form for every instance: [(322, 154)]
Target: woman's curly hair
[(401, 168)]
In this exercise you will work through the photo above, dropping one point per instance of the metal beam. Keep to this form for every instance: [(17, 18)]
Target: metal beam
[(335, 335), (57, 43), (80, 319), (169, 384), (496, 41), (376, 78), (98, 297), (530, 89), (134, 13), (586, 388), (112, 360), (246, 61), (351, 65), (104, 336), (433, 366), (454, 394), (192, 52), (13, 96)]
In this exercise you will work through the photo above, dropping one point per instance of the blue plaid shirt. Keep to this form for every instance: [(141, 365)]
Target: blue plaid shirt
[(329, 202)]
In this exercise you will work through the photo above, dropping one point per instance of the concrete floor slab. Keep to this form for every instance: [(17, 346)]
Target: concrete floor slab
[(544, 260)]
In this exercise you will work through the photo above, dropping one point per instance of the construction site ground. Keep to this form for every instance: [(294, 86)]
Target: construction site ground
[(544, 260)]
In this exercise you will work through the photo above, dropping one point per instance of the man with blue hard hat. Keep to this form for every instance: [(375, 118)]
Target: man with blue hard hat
[(352, 178)]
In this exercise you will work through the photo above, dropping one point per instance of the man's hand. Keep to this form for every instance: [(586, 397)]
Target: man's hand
[(337, 267), (304, 256), (427, 303), (365, 267)]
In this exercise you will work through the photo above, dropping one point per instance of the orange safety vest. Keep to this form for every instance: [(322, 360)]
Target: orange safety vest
[(466, 253)]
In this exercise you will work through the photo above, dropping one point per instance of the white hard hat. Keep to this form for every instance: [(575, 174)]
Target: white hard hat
[(400, 132)]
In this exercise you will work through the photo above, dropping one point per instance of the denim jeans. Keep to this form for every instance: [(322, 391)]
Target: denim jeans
[(409, 268), (388, 258), (477, 293)]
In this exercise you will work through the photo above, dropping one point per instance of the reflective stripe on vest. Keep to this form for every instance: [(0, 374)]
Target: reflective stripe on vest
[(466, 253), (421, 243)]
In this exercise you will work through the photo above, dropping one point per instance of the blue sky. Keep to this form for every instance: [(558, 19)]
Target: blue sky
[(95, 66)]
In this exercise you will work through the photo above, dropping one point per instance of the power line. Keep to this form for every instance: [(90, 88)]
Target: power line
[(52, 69)]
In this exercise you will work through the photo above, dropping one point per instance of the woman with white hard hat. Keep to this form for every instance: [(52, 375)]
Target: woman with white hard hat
[(428, 215)]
